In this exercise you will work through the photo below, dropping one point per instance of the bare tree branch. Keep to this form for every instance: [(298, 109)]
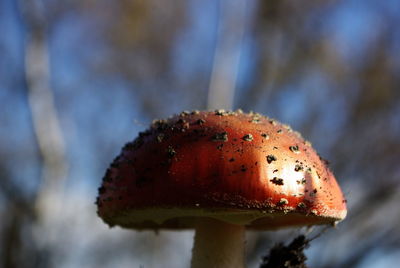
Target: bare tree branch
[(46, 124)]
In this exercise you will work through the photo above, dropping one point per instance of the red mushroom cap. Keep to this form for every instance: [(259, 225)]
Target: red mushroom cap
[(236, 167)]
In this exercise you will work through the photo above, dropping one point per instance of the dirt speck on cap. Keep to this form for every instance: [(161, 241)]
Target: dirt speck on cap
[(298, 168), (271, 158), (294, 149), (248, 137), (302, 205), (184, 113), (265, 136), (283, 201), (302, 181), (223, 136), (171, 152), (160, 137), (221, 112), (200, 121), (277, 181)]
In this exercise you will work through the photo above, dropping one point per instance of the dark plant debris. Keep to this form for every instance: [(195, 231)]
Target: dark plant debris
[(290, 256)]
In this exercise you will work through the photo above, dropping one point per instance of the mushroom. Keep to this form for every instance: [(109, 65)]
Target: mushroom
[(220, 173)]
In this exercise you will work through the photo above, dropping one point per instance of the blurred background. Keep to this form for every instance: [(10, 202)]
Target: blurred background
[(78, 79)]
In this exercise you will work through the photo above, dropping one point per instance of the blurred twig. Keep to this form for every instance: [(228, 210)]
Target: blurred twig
[(44, 115), (41, 100), (232, 25)]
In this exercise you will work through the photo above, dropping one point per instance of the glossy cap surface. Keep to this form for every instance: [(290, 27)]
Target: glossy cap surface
[(236, 167)]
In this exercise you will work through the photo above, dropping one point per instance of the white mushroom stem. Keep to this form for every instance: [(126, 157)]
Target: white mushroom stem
[(218, 244)]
